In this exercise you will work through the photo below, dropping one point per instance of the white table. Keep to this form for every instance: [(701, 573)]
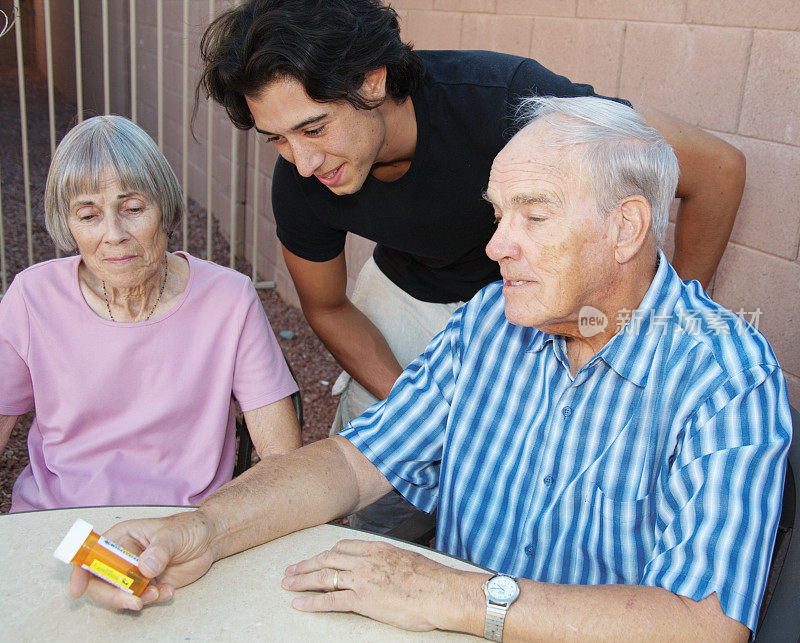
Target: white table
[(239, 599)]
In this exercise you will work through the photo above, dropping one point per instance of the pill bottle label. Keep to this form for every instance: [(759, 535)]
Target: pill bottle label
[(101, 570), (114, 548)]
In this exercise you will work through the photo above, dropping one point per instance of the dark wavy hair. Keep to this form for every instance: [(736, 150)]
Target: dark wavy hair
[(327, 45)]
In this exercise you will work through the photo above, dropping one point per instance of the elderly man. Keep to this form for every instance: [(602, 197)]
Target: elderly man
[(627, 473)]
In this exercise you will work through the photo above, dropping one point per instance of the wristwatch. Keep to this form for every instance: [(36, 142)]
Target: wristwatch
[(501, 591)]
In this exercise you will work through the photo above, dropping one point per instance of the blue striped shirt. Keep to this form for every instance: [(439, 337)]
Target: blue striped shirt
[(660, 463)]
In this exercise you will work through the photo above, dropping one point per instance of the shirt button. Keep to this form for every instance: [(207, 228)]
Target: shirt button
[(529, 550), (548, 480), (567, 411)]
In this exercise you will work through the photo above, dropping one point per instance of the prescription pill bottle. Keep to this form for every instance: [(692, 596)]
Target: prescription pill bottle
[(99, 556)]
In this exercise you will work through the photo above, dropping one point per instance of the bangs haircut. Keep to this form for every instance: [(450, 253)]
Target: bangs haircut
[(615, 151), (108, 144)]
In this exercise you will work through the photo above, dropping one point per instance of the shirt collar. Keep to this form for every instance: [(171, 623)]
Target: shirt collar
[(631, 351), (537, 340)]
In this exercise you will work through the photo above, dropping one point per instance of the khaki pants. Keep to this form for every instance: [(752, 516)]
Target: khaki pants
[(408, 325)]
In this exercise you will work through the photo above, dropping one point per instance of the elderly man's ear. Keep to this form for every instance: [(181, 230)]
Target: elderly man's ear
[(631, 227)]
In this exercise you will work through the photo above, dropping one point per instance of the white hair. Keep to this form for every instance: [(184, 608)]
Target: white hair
[(98, 145), (617, 151)]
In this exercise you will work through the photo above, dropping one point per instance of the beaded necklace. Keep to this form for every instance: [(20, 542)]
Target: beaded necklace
[(158, 299)]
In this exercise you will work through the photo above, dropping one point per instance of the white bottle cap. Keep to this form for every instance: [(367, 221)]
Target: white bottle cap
[(72, 542)]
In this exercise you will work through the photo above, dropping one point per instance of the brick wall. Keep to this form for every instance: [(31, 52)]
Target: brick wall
[(726, 65)]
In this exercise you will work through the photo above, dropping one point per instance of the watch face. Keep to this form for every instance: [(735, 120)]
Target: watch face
[(502, 589)]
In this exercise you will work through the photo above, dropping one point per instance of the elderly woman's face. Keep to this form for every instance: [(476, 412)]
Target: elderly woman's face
[(118, 233)]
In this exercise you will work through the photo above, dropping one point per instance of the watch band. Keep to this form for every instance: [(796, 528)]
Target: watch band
[(501, 591), (495, 618)]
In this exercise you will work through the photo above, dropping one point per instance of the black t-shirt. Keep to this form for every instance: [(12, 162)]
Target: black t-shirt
[(431, 225)]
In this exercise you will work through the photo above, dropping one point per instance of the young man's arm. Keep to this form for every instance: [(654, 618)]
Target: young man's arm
[(710, 188), (350, 336)]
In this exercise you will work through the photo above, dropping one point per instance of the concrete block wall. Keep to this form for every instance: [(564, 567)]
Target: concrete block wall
[(729, 66), (62, 41), (173, 116)]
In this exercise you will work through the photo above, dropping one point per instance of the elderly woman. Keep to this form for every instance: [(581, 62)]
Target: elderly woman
[(130, 353)]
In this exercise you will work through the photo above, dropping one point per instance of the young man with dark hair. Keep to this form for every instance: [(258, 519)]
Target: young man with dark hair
[(394, 145)]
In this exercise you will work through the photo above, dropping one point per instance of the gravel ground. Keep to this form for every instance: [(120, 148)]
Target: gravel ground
[(313, 365)]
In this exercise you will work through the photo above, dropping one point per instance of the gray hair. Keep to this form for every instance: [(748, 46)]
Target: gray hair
[(618, 152), (98, 145)]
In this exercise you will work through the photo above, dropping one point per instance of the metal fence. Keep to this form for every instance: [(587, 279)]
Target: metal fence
[(15, 23)]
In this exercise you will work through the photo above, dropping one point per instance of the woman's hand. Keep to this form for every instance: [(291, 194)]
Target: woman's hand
[(385, 583), (175, 551)]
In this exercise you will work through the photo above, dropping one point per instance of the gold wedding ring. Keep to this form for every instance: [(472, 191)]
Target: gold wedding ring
[(336, 581)]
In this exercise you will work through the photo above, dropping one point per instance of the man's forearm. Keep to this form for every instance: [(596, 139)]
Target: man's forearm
[(709, 202), (712, 177), (546, 611), (283, 494), (701, 235), (358, 346)]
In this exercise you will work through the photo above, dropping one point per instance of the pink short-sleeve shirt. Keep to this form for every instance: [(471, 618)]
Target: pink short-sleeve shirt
[(137, 413)]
